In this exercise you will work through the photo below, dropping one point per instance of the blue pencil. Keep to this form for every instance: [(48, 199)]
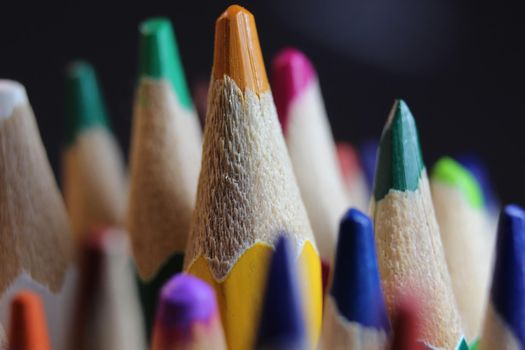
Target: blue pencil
[(504, 326), (355, 315), (282, 321)]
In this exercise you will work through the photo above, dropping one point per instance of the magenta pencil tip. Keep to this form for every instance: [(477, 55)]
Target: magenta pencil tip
[(292, 72)]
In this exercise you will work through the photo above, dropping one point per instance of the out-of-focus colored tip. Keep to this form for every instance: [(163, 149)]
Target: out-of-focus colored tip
[(508, 283), (479, 170), (292, 72), (237, 52), (406, 327), (368, 157), (325, 274), (399, 162), (450, 172), (184, 301), (159, 57), (28, 329), (85, 106), (348, 160), (282, 324), (356, 285)]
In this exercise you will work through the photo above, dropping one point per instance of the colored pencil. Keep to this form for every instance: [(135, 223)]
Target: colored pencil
[(247, 192), (165, 161), (353, 176), (355, 315), (107, 313), (282, 323), (187, 316), (310, 144), (27, 327), (368, 158), (460, 213), (93, 166), (504, 325), (36, 239), (407, 236)]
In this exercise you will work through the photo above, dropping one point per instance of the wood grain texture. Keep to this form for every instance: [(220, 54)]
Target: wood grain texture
[(94, 181), (165, 163), (411, 256), (247, 191), (35, 229)]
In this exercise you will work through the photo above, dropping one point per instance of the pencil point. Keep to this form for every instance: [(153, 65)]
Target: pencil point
[(450, 172), (282, 320), (292, 72), (508, 283), (184, 300), (28, 329), (85, 106), (159, 57), (399, 163), (356, 286), (406, 327), (12, 94), (237, 52)]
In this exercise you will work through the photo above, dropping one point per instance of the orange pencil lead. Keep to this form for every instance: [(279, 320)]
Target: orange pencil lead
[(28, 328)]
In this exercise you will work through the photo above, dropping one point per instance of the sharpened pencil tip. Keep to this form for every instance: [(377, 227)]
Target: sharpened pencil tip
[(237, 52), (508, 283), (450, 172), (282, 323), (159, 57), (292, 72), (400, 162), (85, 106), (356, 286)]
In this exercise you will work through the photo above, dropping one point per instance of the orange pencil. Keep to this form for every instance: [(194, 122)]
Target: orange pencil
[(28, 328)]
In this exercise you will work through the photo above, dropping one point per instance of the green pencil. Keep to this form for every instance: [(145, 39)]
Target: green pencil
[(165, 161)]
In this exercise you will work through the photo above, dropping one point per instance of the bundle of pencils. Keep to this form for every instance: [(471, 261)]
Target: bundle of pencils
[(260, 232)]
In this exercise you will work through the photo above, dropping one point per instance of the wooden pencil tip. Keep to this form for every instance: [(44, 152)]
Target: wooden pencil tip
[(12, 94), (28, 329), (85, 106), (292, 73), (237, 51)]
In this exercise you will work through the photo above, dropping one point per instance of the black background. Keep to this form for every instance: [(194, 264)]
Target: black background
[(459, 65)]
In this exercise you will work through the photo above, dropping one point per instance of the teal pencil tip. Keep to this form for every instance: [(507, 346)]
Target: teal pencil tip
[(85, 106), (400, 162), (159, 57), (450, 172)]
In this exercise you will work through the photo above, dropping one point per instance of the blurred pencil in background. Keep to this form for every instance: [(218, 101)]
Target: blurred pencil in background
[(107, 312), (94, 180), (459, 206), (36, 239), (504, 324), (187, 316), (247, 194), (353, 176), (310, 144), (407, 235), (165, 161)]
